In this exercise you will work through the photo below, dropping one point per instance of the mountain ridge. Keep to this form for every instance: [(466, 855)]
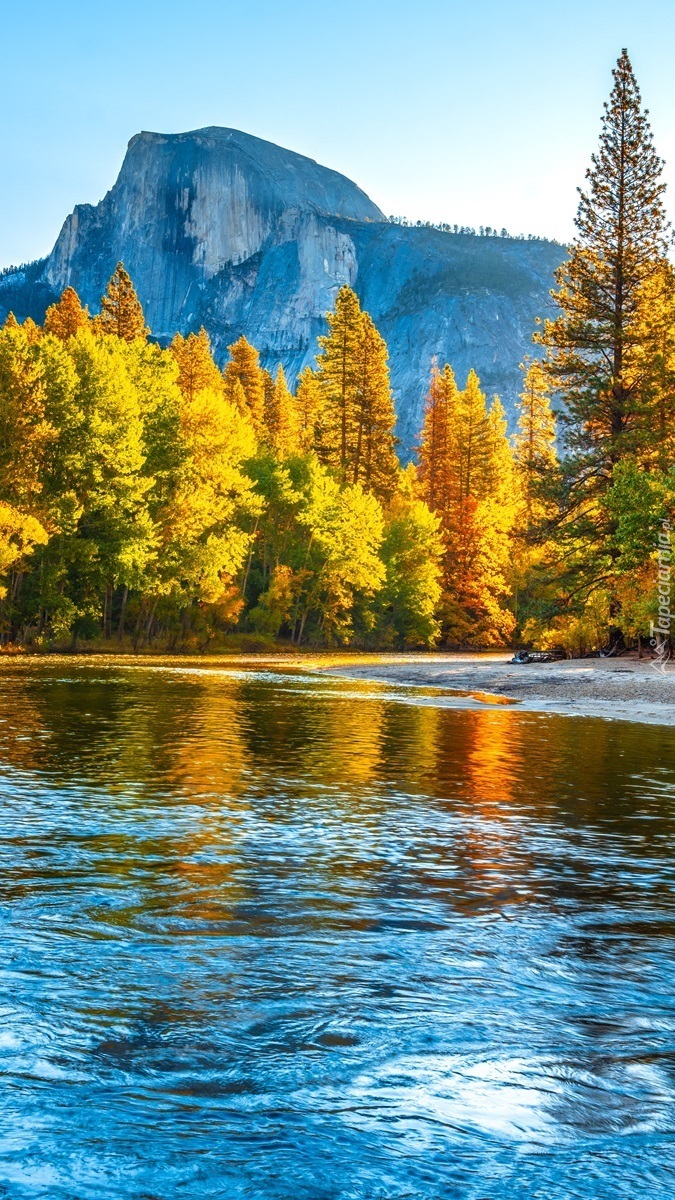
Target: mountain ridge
[(218, 227)]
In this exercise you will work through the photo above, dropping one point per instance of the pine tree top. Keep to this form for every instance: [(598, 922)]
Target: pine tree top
[(196, 367), (121, 311), (64, 318), (624, 182)]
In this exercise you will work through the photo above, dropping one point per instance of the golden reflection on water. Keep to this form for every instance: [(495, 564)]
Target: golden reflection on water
[(205, 733), (235, 744)]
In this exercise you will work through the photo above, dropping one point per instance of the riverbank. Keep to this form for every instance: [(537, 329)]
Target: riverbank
[(617, 689)]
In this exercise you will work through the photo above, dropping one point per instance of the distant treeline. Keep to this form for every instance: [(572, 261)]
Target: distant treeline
[(20, 269), (471, 231)]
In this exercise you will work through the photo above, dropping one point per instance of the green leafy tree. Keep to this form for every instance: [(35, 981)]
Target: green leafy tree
[(412, 553), (317, 564)]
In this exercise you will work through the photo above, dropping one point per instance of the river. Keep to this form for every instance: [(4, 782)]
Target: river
[(279, 936)]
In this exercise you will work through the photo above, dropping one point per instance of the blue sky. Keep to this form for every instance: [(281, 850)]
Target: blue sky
[(479, 113)]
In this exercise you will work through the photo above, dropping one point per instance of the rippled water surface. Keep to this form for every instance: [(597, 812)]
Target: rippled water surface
[(287, 937)]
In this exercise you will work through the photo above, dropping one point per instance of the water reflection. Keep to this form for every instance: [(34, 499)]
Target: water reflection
[(271, 935)]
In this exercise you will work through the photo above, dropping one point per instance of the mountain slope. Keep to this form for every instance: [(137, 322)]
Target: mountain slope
[(223, 229)]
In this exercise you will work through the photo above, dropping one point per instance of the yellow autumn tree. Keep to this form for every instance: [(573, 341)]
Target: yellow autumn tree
[(19, 534), (201, 499), (245, 381), (533, 571), (534, 441), (308, 401), (466, 479), (26, 429), (64, 318), (432, 454), (282, 419), (655, 364), (196, 368)]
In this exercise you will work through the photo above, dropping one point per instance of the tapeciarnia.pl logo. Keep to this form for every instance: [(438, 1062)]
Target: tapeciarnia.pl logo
[(659, 630)]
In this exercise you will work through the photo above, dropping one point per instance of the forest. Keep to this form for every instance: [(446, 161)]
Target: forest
[(151, 499)]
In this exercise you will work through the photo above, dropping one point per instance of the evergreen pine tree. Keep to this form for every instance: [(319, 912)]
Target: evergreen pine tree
[(340, 373), (431, 451), (608, 347), (471, 433), (596, 346), (355, 433), (121, 312), (499, 463), (374, 461), (437, 458)]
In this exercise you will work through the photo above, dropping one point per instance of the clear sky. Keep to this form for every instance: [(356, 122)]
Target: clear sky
[(476, 112)]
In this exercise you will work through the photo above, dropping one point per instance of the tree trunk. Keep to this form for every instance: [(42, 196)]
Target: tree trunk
[(120, 627)]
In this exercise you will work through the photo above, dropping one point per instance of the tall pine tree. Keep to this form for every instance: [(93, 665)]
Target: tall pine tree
[(121, 312), (308, 400), (597, 344), (534, 442), (356, 429), (437, 463), (281, 416), (375, 463), (604, 347), (339, 376)]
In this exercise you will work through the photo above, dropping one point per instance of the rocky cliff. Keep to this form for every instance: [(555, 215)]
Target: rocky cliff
[(220, 228)]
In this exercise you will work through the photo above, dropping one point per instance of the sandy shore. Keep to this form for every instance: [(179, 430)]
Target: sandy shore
[(618, 689)]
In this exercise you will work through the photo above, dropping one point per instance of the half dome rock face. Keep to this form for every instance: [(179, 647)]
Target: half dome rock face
[(186, 206), (221, 229)]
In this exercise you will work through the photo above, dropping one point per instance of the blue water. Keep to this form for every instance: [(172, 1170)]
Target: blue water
[(293, 938)]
